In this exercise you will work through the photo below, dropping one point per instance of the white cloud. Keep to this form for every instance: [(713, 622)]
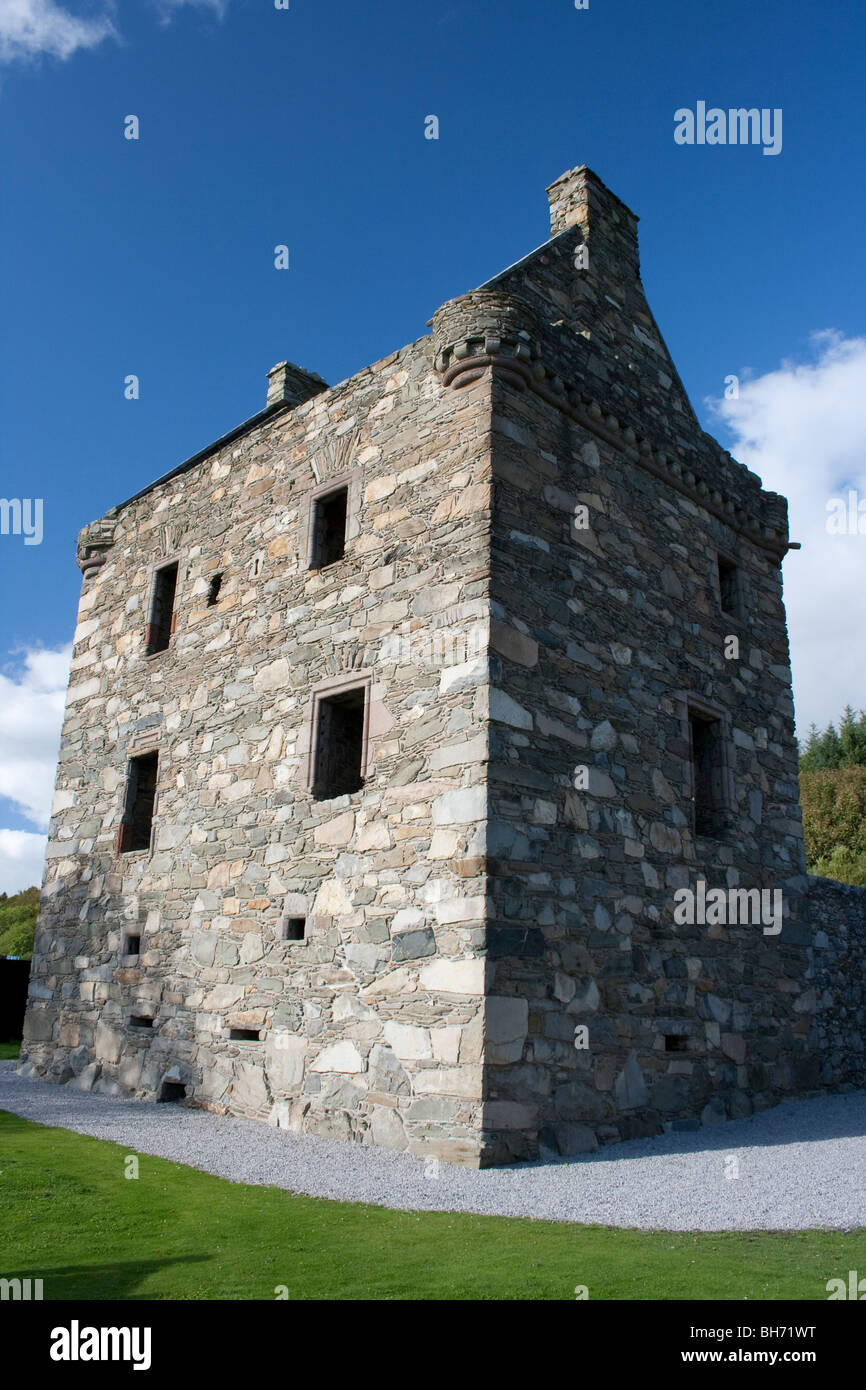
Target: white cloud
[(167, 7), (29, 28), (31, 713), (21, 857), (802, 428)]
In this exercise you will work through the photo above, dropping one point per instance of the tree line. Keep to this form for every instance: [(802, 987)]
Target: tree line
[(18, 922), (833, 798)]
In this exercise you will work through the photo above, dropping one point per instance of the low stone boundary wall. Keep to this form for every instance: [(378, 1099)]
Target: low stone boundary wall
[(838, 962)]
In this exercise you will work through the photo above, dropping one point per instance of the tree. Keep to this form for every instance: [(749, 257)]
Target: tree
[(18, 922), (832, 749), (833, 798)]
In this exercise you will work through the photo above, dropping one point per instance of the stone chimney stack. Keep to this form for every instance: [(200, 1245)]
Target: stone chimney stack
[(579, 198), (291, 385)]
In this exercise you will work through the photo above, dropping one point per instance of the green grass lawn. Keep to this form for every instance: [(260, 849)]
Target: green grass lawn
[(9, 1051), (70, 1217)]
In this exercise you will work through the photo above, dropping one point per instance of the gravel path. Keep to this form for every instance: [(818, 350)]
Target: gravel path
[(801, 1165)]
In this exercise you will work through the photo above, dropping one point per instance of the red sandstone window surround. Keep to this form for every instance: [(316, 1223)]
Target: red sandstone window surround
[(339, 736), (329, 516), (139, 804), (162, 614), (329, 528)]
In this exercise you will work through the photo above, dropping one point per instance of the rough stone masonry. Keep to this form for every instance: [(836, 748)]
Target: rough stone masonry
[(397, 717)]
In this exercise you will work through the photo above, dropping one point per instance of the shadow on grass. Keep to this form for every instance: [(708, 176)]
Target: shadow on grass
[(115, 1280)]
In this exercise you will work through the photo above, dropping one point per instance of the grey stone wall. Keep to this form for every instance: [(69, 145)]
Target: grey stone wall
[(838, 980), (371, 1027), (493, 966), (600, 633)]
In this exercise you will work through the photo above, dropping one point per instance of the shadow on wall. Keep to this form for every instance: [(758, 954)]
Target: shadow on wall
[(14, 976)]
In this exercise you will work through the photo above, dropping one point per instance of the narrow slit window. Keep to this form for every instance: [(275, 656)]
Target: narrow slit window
[(707, 774), (243, 1034), (137, 820), (729, 589), (329, 528), (161, 620), (141, 1021), (213, 592), (132, 946), (295, 929), (676, 1042), (339, 744)]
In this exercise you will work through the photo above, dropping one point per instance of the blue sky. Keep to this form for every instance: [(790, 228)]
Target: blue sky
[(305, 126)]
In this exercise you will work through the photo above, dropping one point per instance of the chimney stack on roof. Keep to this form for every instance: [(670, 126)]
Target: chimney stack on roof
[(292, 385)]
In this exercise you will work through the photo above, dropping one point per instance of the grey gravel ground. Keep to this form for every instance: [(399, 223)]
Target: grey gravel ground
[(801, 1165)]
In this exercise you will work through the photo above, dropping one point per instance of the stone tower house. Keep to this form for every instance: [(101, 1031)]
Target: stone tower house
[(396, 719)]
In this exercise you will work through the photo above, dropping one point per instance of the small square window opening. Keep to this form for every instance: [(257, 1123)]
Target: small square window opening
[(172, 1092)]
